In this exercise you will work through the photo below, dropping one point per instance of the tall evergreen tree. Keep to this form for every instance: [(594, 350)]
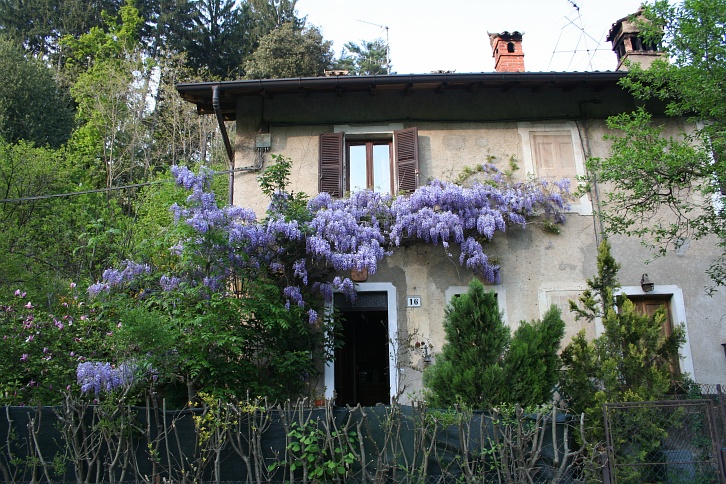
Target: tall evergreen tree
[(481, 365), (532, 364), (467, 370), (168, 25), (38, 25), (632, 359), (220, 40)]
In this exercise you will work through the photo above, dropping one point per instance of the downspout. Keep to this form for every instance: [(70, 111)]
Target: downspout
[(595, 189), (225, 137)]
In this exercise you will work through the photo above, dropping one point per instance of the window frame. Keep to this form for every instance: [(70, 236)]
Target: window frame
[(370, 169)]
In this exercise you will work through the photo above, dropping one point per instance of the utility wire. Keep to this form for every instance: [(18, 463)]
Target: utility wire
[(101, 190)]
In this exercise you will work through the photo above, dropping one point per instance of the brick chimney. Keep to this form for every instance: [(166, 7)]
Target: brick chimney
[(507, 51), (629, 45)]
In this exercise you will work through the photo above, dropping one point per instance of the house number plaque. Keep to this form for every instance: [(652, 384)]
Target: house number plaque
[(414, 301)]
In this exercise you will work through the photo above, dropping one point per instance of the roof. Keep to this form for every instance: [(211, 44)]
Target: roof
[(229, 92)]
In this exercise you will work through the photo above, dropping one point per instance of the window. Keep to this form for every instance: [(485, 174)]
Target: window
[(369, 166), (381, 163), (553, 155), (551, 151)]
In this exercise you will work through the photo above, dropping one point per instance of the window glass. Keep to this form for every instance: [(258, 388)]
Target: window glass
[(358, 167), (369, 166), (381, 168)]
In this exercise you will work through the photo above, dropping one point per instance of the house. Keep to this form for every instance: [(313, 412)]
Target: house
[(423, 126)]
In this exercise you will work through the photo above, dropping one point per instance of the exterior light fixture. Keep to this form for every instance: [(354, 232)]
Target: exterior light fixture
[(424, 348), (724, 348), (646, 284)]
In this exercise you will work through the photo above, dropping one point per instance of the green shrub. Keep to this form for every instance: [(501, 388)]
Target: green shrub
[(481, 365)]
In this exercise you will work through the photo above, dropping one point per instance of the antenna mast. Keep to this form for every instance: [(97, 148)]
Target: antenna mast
[(585, 38), (388, 47)]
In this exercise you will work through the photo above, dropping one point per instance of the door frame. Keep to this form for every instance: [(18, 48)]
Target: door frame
[(390, 291)]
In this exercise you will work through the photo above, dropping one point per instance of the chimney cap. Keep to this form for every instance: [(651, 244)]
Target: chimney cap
[(506, 35), (618, 25)]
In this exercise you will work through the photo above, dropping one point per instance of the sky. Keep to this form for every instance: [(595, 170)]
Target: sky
[(429, 35)]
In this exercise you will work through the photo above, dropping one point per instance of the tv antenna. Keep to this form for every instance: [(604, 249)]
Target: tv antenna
[(585, 39), (388, 48)]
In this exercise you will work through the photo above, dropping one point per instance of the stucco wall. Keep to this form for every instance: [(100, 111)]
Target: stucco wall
[(538, 268)]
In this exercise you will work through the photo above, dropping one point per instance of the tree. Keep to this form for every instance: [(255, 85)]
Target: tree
[(467, 370), (630, 362), (366, 58), (109, 71), (220, 39), (167, 26), (289, 52), (532, 364), (668, 191), (269, 15), (38, 25), (481, 366), (179, 134), (28, 95)]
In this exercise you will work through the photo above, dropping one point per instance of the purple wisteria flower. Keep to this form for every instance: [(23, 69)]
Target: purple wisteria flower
[(116, 277), (103, 377), (169, 283), (344, 234)]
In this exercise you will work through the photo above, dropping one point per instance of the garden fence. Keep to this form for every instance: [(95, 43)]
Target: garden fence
[(253, 442)]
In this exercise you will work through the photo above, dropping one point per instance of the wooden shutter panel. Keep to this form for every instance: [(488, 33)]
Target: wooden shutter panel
[(554, 156), (331, 164), (406, 160)]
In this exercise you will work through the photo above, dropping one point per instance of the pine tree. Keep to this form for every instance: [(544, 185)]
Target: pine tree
[(531, 367), (467, 370), (632, 359), (366, 58)]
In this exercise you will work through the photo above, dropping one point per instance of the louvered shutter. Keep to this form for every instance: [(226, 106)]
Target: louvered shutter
[(331, 164), (405, 142)]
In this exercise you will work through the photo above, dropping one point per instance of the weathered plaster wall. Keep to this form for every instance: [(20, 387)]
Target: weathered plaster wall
[(538, 268)]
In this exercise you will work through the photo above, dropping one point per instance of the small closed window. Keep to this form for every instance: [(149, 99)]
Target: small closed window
[(553, 155)]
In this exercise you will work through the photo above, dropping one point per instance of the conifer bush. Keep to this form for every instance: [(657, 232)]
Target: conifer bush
[(481, 365), (468, 370)]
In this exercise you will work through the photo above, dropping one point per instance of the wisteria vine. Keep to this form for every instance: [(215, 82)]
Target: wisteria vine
[(343, 234)]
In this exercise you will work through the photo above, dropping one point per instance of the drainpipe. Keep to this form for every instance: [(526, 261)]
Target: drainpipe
[(225, 137), (585, 139)]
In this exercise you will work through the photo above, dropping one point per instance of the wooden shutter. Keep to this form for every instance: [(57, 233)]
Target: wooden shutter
[(405, 142), (554, 156), (331, 164)]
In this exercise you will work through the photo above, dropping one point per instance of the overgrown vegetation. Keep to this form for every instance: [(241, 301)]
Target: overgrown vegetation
[(668, 187), (254, 441), (632, 361)]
